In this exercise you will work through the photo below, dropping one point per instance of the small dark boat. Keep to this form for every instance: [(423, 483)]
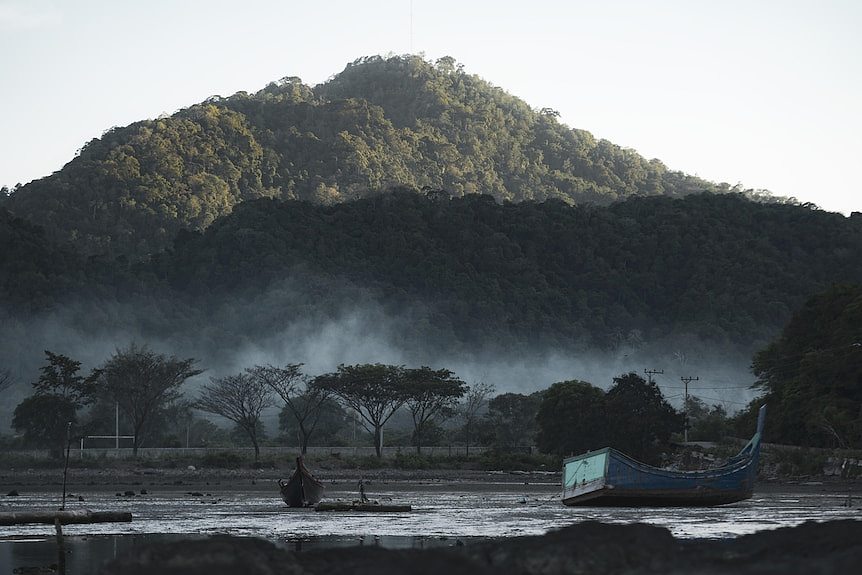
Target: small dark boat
[(302, 489), (610, 478)]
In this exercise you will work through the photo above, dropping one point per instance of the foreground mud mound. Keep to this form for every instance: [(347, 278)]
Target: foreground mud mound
[(586, 548)]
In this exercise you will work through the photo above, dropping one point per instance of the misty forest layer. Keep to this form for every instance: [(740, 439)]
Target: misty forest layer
[(462, 271)]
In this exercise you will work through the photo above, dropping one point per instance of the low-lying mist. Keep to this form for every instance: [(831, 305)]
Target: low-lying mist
[(283, 325)]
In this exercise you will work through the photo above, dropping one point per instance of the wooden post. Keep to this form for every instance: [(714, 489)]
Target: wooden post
[(66, 466)]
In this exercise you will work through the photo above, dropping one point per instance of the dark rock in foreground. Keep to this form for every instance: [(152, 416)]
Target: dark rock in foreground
[(586, 548)]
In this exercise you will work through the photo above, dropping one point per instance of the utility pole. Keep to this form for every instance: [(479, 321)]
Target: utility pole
[(686, 381), (652, 372)]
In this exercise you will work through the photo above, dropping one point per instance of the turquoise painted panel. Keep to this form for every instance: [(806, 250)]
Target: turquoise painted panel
[(585, 469)]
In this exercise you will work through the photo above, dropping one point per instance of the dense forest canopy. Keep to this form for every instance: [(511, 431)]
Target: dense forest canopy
[(381, 122), (812, 374), (470, 271), (716, 266)]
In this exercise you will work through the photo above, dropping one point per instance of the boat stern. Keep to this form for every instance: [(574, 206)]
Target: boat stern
[(584, 477)]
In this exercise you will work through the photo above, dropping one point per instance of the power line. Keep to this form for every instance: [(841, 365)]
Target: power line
[(652, 372)]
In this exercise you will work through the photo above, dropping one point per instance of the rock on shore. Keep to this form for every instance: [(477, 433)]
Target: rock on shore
[(586, 548)]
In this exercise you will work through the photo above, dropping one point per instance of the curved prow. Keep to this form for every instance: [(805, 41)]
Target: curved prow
[(752, 448), (761, 420)]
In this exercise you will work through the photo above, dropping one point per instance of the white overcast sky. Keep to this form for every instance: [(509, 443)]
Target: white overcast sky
[(763, 93)]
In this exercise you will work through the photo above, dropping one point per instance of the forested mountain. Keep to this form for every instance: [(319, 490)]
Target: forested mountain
[(379, 123)]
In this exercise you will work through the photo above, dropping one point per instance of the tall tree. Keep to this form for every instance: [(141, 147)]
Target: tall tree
[(812, 374), (60, 376), (240, 398), (302, 400), (373, 391), (572, 419), (58, 395), (475, 399), (640, 418), (142, 381), (432, 395)]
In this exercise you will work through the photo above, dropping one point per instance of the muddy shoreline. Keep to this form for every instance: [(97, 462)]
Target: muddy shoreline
[(249, 480)]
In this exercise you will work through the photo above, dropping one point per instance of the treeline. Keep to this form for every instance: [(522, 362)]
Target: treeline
[(145, 387), (379, 123)]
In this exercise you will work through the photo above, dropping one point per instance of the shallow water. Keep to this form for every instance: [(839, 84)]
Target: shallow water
[(441, 515)]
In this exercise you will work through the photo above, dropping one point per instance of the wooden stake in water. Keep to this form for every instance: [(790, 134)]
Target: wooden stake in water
[(66, 466), (61, 551)]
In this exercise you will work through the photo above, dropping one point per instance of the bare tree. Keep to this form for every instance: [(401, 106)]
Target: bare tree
[(240, 398), (142, 381), (475, 398), (303, 400)]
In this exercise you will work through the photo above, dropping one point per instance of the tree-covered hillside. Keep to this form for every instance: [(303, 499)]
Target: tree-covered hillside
[(468, 270), (720, 267), (379, 123)]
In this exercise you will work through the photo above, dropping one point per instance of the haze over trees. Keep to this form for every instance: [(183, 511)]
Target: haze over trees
[(241, 398), (143, 382), (304, 401)]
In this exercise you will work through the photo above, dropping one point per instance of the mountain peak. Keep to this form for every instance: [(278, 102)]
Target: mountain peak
[(381, 122)]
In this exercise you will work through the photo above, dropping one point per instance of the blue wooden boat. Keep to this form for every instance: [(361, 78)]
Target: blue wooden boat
[(610, 478)]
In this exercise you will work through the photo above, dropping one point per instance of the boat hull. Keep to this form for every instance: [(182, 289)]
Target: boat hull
[(302, 489)]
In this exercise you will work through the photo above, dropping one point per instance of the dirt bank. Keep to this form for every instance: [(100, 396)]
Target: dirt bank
[(588, 548)]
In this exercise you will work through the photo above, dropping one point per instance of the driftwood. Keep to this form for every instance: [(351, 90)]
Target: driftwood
[(64, 517)]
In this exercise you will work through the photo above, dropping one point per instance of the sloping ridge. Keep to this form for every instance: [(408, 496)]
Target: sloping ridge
[(382, 122)]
